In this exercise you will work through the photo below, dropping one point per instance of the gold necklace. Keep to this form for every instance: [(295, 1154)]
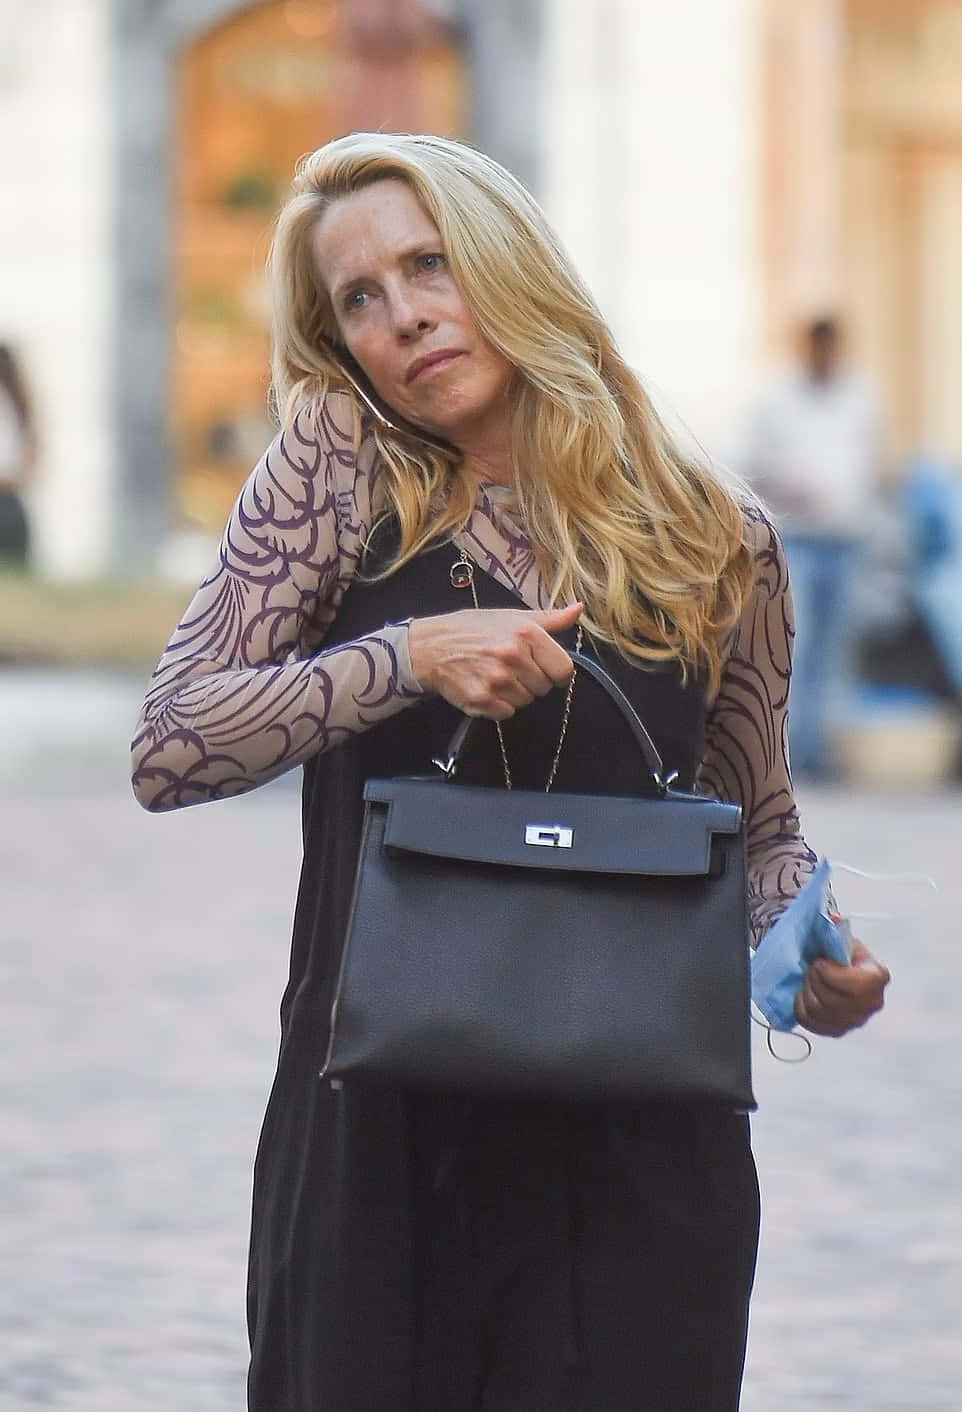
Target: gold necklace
[(462, 576)]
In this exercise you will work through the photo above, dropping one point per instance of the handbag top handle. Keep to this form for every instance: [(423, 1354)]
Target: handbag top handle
[(646, 745)]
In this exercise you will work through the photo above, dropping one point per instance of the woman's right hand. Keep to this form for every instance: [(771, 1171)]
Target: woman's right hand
[(490, 661)]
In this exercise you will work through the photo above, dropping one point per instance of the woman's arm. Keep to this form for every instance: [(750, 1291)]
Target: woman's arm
[(746, 743), (242, 693), (746, 759)]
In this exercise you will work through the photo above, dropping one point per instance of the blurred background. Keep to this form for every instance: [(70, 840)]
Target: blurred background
[(726, 173)]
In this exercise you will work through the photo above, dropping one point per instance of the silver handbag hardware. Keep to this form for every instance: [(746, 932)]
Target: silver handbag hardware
[(549, 835)]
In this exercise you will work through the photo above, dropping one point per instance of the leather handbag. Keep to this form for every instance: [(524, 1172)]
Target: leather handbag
[(514, 943)]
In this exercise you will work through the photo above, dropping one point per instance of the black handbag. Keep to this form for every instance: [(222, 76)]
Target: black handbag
[(515, 943)]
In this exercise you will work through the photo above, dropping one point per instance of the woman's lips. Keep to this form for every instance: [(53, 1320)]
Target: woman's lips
[(432, 362)]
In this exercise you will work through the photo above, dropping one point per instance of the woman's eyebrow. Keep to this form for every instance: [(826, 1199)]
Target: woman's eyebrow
[(429, 245)]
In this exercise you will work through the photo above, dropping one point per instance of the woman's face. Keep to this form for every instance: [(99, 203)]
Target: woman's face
[(403, 318)]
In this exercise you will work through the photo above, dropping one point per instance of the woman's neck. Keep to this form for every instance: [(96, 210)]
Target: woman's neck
[(488, 455)]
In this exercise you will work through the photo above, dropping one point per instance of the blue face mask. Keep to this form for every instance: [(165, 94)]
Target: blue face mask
[(802, 932)]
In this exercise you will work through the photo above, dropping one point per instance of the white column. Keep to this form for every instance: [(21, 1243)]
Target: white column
[(652, 178), (940, 307), (816, 157), (55, 264)]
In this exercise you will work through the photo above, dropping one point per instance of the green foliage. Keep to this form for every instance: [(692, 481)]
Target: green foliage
[(251, 190)]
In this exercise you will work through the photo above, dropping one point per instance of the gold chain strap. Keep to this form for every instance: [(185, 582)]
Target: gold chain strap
[(462, 576)]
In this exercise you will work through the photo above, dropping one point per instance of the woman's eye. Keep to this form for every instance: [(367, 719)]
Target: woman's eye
[(354, 300), (431, 262)]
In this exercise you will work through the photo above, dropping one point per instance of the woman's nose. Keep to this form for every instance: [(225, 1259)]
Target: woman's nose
[(410, 319)]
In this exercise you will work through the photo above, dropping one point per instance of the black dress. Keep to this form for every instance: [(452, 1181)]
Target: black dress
[(431, 1254)]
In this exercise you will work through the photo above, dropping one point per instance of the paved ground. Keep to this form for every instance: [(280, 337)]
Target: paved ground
[(137, 1037)]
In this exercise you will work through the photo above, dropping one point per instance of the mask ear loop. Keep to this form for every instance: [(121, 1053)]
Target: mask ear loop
[(887, 877), (791, 1034), (876, 877)]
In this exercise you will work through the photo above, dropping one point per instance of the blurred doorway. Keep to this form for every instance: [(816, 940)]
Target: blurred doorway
[(253, 94)]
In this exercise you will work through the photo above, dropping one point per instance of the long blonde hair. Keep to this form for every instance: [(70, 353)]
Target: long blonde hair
[(652, 542)]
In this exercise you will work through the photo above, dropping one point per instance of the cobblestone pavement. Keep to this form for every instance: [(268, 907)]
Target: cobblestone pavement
[(137, 1038)]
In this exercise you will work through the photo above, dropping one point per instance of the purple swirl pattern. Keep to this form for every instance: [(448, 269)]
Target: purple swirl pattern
[(244, 690), (498, 544), (746, 742)]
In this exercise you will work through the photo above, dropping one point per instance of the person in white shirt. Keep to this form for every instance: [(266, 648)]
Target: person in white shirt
[(813, 454)]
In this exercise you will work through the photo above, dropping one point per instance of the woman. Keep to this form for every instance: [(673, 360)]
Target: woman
[(450, 392)]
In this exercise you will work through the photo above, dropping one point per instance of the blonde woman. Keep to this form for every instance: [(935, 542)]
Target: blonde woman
[(449, 393)]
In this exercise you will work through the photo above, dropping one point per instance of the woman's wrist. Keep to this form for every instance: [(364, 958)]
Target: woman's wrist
[(421, 638)]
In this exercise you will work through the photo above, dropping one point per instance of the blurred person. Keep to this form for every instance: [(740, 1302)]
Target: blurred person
[(814, 454), (452, 401), (931, 501), (17, 454)]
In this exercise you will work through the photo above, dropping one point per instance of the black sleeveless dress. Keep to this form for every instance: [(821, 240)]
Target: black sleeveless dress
[(432, 1254)]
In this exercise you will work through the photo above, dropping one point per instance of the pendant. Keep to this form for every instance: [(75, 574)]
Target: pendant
[(462, 574)]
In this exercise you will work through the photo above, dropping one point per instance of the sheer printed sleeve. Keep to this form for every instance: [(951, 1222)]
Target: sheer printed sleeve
[(242, 692), (746, 745)]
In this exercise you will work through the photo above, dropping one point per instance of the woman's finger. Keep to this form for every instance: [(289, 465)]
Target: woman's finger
[(810, 1013), (513, 691), (863, 959), (470, 653), (830, 1003), (548, 655), (857, 984), (819, 994)]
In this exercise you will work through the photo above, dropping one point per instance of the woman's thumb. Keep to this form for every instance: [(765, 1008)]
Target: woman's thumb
[(557, 619)]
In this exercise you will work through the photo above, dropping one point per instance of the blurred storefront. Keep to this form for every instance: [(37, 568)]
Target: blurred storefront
[(863, 195), (251, 88), (254, 94), (720, 169), (146, 144)]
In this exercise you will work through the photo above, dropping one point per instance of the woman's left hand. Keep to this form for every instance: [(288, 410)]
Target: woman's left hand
[(834, 999)]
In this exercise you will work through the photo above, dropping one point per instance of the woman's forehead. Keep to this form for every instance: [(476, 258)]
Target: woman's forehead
[(379, 221)]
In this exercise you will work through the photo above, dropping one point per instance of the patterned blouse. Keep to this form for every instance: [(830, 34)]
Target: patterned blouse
[(245, 691)]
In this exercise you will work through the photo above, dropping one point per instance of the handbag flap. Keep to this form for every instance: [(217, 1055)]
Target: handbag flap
[(669, 836)]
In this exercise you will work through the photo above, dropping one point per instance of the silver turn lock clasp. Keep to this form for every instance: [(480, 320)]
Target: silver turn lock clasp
[(549, 835)]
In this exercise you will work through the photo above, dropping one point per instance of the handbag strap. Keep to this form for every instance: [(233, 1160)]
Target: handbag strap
[(449, 764)]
